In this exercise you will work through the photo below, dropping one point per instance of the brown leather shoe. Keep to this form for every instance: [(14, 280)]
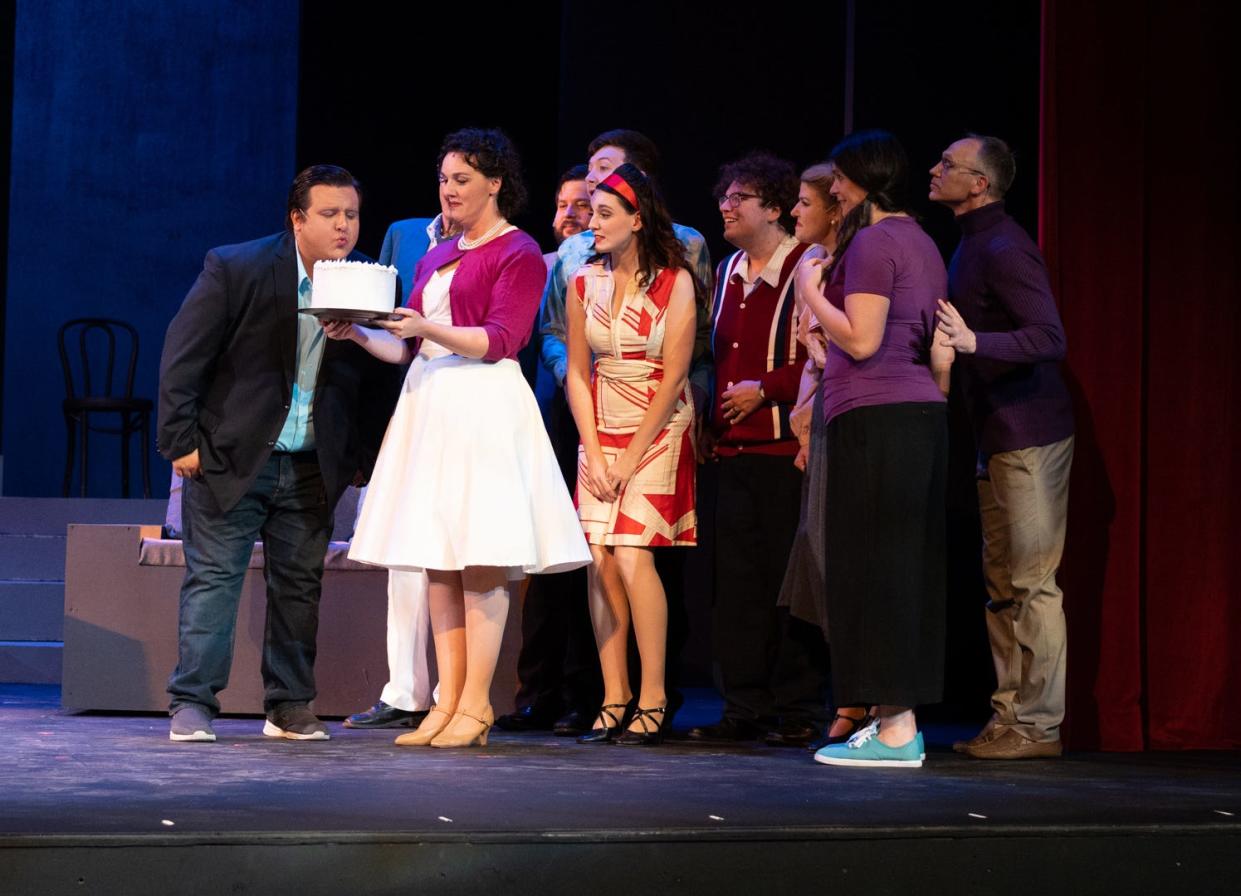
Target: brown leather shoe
[(990, 732), (1011, 745)]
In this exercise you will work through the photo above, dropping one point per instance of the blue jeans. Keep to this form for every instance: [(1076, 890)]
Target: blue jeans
[(288, 508)]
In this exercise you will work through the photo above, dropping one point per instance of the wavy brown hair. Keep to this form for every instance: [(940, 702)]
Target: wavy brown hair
[(658, 246)]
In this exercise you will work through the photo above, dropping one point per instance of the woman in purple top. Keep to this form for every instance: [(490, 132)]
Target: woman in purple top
[(466, 486), (886, 439)]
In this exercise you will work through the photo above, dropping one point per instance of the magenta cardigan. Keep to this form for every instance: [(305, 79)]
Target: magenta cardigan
[(497, 286)]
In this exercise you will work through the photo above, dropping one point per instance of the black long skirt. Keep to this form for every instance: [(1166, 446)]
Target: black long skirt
[(885, 553)]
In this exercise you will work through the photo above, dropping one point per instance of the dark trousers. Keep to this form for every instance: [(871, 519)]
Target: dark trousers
[(885, 530), (287, 507), (558, 666), (768, 665)]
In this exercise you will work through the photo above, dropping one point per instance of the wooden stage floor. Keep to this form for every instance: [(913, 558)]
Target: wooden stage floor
[(85, 797)]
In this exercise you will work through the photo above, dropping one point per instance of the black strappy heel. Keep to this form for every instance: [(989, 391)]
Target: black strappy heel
[(607, 733), (827, 739), (652, 732)]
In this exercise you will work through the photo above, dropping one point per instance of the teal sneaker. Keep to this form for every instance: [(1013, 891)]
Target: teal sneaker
[(921, 746), (865, 749)]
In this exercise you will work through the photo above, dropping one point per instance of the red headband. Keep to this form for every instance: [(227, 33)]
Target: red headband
[(617, 183)]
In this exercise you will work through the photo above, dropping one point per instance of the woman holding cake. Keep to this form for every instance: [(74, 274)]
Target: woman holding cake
[(635, 316), (466, 486)]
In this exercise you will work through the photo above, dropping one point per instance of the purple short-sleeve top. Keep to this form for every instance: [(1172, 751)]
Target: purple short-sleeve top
[(893, 258)]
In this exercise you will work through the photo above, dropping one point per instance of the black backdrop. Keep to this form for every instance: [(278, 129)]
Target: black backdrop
[(380, 85), (377, 90), (707, 85)]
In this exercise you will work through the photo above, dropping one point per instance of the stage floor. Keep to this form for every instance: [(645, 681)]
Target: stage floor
[(93, 779)]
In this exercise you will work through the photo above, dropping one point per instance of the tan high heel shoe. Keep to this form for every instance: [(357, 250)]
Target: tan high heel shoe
[(436, 721), (474, 734)]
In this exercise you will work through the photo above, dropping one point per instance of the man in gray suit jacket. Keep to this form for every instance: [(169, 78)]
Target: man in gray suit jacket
[(267, 421)]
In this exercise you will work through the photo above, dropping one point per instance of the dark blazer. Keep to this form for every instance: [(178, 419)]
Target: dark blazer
[(226, 376)]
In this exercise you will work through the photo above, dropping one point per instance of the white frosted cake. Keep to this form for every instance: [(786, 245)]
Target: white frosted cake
[(354, 286)]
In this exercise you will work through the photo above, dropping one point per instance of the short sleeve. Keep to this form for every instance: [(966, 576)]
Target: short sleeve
[(871, 264)]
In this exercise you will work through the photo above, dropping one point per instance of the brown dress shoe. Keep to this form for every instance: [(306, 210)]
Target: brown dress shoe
[(990, 732), (1011, 745)]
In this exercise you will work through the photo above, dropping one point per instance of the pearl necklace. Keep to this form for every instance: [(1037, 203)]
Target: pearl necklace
[(466, 244)]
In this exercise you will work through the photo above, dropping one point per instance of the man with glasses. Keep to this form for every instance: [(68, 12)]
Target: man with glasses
[(1004, 325), (767, 668)]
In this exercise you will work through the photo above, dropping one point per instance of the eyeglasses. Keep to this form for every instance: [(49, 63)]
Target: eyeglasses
[(948, 165), (732, 200)]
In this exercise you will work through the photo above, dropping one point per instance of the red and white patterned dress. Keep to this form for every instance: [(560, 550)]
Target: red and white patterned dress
[(656, 507)]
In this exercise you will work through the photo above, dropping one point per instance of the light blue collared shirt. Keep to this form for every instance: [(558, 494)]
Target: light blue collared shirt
[(298, 433), (575, 252)]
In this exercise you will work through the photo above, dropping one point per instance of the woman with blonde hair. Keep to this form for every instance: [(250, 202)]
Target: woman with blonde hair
[(805, 590)]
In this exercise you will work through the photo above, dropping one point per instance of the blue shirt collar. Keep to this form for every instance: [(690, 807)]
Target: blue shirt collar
[(302, 276)]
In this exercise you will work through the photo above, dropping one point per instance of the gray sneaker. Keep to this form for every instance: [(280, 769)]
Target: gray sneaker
[(190, 722), (296, 722)]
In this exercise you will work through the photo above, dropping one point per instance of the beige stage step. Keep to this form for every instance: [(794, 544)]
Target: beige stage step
[(32, 576)]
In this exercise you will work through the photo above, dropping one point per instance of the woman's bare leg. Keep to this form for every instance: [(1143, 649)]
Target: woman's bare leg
[(486, 603), (897, 725), (609, 616), (444, 597), (649, 606)]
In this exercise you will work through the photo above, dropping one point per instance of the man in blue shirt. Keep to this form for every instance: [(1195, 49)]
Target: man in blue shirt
[(267, 422)]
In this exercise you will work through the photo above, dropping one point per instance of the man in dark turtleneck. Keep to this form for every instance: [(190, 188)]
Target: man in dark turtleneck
[(1004, 325)]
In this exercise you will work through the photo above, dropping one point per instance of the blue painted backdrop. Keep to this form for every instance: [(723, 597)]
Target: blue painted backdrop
[(144, 133)]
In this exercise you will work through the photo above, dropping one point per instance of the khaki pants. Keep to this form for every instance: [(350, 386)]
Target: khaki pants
[(1024, 504)]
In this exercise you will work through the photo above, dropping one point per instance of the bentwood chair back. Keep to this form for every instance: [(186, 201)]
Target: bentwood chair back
[(99, 357)]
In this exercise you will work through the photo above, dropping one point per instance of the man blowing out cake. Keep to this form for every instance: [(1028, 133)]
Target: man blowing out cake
[(267, 421)]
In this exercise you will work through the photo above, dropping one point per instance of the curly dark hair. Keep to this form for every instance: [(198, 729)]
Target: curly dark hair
[(876, 162), (490, 152), (772, 178), (315, 176), (658, 246)]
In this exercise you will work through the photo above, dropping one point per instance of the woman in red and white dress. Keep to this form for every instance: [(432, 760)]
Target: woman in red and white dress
[(635, 314)]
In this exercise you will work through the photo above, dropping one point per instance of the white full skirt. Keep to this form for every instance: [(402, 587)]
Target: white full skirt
[(466, 477)]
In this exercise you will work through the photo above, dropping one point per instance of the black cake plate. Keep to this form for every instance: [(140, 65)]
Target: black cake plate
[(354, 315)]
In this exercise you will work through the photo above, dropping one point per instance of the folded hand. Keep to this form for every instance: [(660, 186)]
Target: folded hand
[(593, 476)]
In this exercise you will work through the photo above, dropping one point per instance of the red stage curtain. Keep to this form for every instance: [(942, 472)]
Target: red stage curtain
[(1138, 219)]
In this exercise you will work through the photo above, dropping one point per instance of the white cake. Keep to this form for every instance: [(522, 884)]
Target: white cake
[(354, 286)]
